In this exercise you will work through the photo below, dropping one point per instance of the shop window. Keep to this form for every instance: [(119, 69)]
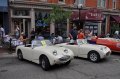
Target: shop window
[(114, 4), (61, 1), (79, 2), (101, 3), (42, 27), (21, 12), (90, 26)]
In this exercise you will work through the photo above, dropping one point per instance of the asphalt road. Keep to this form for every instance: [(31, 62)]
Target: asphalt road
[(12, 68)]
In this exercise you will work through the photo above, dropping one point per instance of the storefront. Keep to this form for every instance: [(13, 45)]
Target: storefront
[(114, 23), (40, 26), (89, 20), (21, 18), (29, 15)]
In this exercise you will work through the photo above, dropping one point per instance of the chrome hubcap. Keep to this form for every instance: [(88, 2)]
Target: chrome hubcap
[(93, 57)]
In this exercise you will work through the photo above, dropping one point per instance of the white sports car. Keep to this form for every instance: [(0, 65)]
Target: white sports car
[(91, 51), (44, 53)]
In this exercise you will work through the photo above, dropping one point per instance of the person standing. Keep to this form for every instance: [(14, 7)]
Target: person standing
[(17, 32), (23, 38), (73, 33), (116, 35), (89, 35), (2, 34), (2, 31), (53, 38), (59, 39), (80, 34), (32, 35), (40, 37)]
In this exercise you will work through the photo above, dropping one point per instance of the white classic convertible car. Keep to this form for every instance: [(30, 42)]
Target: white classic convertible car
[(91, 51), (44, 53)]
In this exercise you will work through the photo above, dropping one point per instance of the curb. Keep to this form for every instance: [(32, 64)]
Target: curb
[(5, 54)]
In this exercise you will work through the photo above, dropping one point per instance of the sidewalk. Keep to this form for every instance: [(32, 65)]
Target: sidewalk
[(5, 50)]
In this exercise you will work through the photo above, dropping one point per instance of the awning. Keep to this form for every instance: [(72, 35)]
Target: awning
[(87, 15), (75, 15), (115, 18)]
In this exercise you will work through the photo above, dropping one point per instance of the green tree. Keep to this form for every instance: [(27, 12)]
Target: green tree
[(57, 15)]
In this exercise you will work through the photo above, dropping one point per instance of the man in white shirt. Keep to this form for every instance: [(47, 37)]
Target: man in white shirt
[(59, 39), (117, 32), (2, 32)]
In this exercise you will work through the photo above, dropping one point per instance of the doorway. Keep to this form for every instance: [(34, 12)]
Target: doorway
[(24, 25)]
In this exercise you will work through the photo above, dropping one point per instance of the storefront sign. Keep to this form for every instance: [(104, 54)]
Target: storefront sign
[(87, 15), (93, 14)]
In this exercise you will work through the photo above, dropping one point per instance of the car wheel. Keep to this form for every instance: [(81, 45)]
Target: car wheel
[(67, 63), (45, 63), (94, 56), (19, 55)]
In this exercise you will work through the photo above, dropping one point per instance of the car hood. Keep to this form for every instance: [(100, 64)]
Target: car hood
[(50, 49), (94, 46), (85, 45)]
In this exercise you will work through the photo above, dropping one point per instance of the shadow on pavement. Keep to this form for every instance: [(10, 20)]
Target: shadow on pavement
[(116, 53)]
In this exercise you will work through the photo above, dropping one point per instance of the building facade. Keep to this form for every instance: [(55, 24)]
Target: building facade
[(98, 15), (110, 11), (28, 14)]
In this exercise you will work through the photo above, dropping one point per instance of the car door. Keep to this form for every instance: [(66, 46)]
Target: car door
[(27, 53), (81, 51), (35, 55), (74, 48)]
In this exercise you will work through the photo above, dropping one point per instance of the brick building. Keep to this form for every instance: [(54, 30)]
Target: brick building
[(110, 12), (98, 15)]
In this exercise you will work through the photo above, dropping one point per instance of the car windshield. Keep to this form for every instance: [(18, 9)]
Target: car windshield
[(81, 41), (36, 43)]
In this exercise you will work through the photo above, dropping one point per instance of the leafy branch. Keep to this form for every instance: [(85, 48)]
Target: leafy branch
[(57, 15)]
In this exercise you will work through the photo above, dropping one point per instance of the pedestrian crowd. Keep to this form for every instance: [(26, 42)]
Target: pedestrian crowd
[(20, 38), (89, 35)]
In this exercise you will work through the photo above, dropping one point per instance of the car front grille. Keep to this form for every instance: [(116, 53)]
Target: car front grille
[(64, 58), (108, 53)]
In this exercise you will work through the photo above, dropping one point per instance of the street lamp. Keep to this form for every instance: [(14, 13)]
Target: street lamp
[(80, 6)]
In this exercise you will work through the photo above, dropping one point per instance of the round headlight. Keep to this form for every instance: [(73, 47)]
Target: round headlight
[(66, 51), (55, 52), (101, 48)]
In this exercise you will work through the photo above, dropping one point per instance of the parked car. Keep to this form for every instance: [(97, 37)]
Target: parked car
[(44, 53), (82, 49), (112, 43)]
